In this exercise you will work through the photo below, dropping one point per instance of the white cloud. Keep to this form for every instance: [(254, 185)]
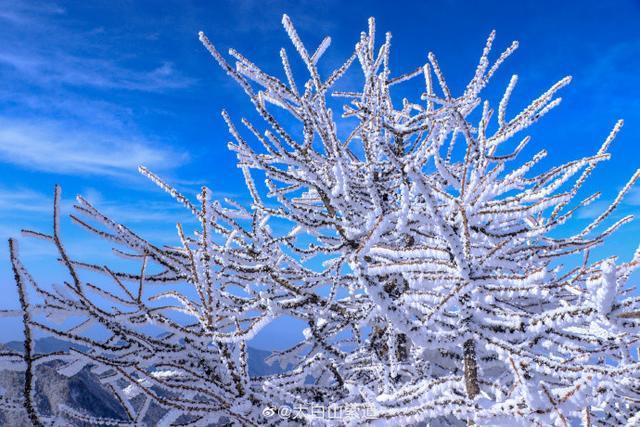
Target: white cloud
[(633, 197), (54, 52), (23, 200), (53, 119), (593, 210), (22, 208), (52, 147), (166, 210), (51, 68), (27, 13)]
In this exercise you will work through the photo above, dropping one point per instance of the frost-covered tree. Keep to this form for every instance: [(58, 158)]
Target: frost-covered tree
[(409, 235)]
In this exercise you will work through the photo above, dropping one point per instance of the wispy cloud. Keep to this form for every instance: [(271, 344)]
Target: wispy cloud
[(139, 211), (630, 202), (58, 113), (54, 68), (593, 210), (21, 204), (23, 13), (611, 79), (21, 200), (633, 197), (55, 53), (48, 146), (306, 14), (153, 217)]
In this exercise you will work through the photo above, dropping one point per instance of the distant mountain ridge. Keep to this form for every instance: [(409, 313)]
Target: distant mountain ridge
[(257, 364), (83, 391), (44, 345)]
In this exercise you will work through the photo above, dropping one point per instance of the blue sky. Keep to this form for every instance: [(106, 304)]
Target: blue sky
[(90, 90)]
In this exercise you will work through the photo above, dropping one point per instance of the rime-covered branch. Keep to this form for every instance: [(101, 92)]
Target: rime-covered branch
[(413, 239)]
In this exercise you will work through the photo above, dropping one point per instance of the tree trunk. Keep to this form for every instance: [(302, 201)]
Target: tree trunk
[(470, 369)]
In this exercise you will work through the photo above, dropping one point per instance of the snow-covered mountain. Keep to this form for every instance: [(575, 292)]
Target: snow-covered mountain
[(83, 392)]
